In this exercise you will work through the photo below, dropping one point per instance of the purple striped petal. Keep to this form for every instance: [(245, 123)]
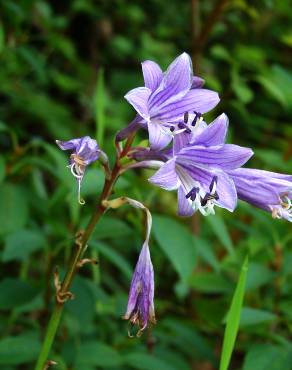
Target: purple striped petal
[(197, 83), (260, 188), (68, 145), (199, 100), (226, 191), (184, 207), (138, 98), (176, 83), (224, 157), (132, 127), (152, 74), (166, 176), (158, 138), (213, 134), (225, 185)]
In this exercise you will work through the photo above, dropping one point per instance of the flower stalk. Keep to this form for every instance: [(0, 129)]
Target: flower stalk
[(81, 244)]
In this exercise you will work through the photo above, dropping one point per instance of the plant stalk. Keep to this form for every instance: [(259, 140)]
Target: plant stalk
[(67, 282)]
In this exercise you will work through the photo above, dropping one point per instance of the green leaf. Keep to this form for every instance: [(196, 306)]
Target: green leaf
[(258, 275), (114, 257), (97, 354), (233, 318), (252, 316), (13, 210), (110, 227), (82, 288), (2, 169), (143, 361), (268, 356), (220, 230), (209, 282), (177, 243), (14, 293), (20, 244), (19, 349), (99, 103)]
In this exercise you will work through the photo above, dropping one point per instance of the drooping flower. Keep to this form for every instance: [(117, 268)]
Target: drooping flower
[(198, 167), (163, 102), (270, 191), (84, 151), (140, 309)]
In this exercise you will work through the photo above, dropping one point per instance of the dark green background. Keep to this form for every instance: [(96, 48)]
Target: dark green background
[(52, 86)]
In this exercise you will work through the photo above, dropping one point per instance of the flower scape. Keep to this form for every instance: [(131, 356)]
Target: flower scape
[(190, 157)]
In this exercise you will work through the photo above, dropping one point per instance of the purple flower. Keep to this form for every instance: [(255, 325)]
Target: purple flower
[(198, 167), (140, 309), (167, 99), (84, 151), (266, 190)]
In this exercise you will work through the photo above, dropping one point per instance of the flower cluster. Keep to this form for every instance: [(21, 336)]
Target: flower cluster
[(191, 157)]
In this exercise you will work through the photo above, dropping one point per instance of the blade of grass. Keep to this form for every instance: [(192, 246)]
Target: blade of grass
[(233, 318), (99, 104)]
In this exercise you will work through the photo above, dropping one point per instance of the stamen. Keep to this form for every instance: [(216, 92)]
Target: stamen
[(213, 184), (192, 194), (81, 201)]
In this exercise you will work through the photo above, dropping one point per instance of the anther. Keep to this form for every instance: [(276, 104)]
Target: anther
[(171, 128), (213, 182), (186, 117), (192, 194), (181, 125)]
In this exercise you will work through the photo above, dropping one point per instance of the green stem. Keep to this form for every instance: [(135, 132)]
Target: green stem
[(67, 282)]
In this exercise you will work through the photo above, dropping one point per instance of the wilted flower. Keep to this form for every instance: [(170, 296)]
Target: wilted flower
[(167, 100), (266, 190), (140, 309), (84, 151), (198, 169)]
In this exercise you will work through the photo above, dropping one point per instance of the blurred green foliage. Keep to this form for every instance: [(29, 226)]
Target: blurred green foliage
[(64, 68)]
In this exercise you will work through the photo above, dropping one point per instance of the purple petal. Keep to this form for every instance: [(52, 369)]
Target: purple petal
[(68, 145), (213, 134), (152, 74), (199, 100), (166, 176), (180, 141), (225, 186), (158, 138), (132, 127), (260, 188), (176, 83), (138, 98), (88, 149), (184, 207), (197, 83), (226, 191), (224, 157)]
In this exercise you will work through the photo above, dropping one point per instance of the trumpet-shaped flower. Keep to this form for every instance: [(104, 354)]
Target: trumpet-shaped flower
[(198, 169), (84, 151), (167, 99), (140, 309), (266, 190)]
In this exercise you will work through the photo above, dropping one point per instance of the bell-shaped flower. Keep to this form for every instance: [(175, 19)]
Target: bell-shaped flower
[(270, 191), (198, 169), (84, 151), (140, 309), (167, 99)]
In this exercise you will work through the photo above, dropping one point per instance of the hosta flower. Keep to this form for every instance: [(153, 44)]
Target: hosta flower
[(84, 151), (198, 169), (140, 309), (266, 190), (169, 101)]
